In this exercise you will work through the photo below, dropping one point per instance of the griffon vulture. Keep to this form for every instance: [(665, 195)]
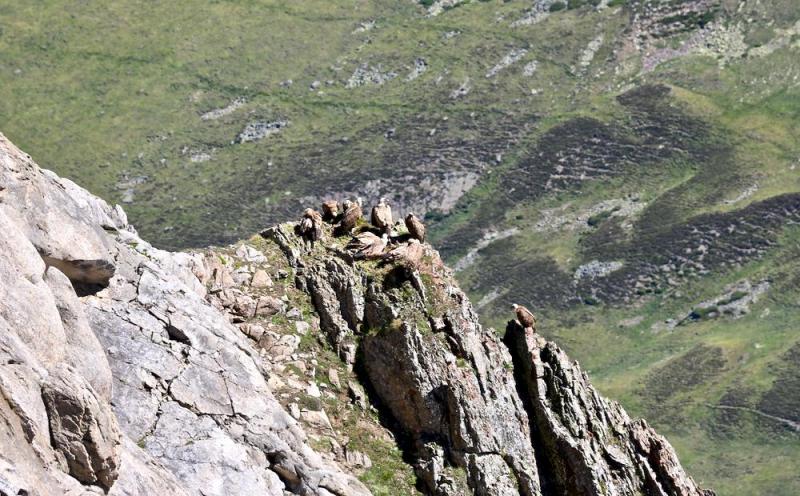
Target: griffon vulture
[(415, 227), (330, 210), (410, 253), (525, 317), (368, 245), (350, 217), (382, 216), (311, 225)]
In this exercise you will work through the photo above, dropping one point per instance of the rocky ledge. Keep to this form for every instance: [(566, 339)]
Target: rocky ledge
[(128, 370), (478, 415)]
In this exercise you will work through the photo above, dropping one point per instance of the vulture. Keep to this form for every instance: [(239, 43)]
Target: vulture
[(382, 216), (410, 252), (330, 210), (525, 317), (415, 227), (350, 217), (311, 225), (368, 245)]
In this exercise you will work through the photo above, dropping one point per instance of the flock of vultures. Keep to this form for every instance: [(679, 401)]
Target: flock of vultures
[(381, 239)]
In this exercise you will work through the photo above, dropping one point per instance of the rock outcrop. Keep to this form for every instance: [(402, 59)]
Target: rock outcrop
[(129, 370), (115, 374), (83, 430), (589, 444), (480, 416)]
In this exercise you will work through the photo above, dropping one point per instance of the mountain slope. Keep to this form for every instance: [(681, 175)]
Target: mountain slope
[(129, 370), (588, 159)]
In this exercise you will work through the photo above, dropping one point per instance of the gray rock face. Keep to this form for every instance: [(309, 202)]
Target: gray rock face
[(121, 370), (517, 418), (83, 430), (116, 374), (442, 377), (589, 444)]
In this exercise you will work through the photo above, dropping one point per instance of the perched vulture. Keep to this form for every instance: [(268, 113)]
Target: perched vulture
[(311, 225), (330, 210), (525, 317), (368, 245), (350, 217), (382, 216), (415, 227), (410, 252)]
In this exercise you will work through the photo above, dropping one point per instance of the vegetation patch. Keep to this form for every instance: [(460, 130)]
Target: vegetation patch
[(682, 374)]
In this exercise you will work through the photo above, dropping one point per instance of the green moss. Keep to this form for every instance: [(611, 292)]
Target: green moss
[(279, 320), (576, 4), (459, 476), (395, 325), (704, 313), (389, 474), (307, 402), (736, 295), (597, 219), (294, 370)]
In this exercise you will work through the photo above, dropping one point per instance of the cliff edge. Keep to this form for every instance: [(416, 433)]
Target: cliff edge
[(129, 370)]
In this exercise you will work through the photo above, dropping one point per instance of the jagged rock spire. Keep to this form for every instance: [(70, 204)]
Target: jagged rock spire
[(482, 416)]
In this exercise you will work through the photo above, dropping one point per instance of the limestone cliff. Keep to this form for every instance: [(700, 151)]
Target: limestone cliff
[(129, 370), (115, 374)]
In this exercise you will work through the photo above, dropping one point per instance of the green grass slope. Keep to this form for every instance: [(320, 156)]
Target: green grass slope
[(630, 169)]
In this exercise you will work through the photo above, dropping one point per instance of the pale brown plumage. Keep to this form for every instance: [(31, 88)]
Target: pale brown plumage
[(330, 210), (382, 216), (311, 224), (350, 217), (524, 316), (415, 227), (368, 245), (411, 253)]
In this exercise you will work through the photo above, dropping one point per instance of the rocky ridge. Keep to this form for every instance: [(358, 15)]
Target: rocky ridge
[(515, 418), (125, 369)]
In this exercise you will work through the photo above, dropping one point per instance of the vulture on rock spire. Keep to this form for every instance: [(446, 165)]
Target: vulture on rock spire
[(525, 317), (368, 246)]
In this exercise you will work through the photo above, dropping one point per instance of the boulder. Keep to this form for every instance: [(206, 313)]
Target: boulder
[(83, 430), (261, 280)]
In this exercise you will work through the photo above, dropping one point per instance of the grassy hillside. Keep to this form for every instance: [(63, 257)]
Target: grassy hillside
[(630, 169)]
